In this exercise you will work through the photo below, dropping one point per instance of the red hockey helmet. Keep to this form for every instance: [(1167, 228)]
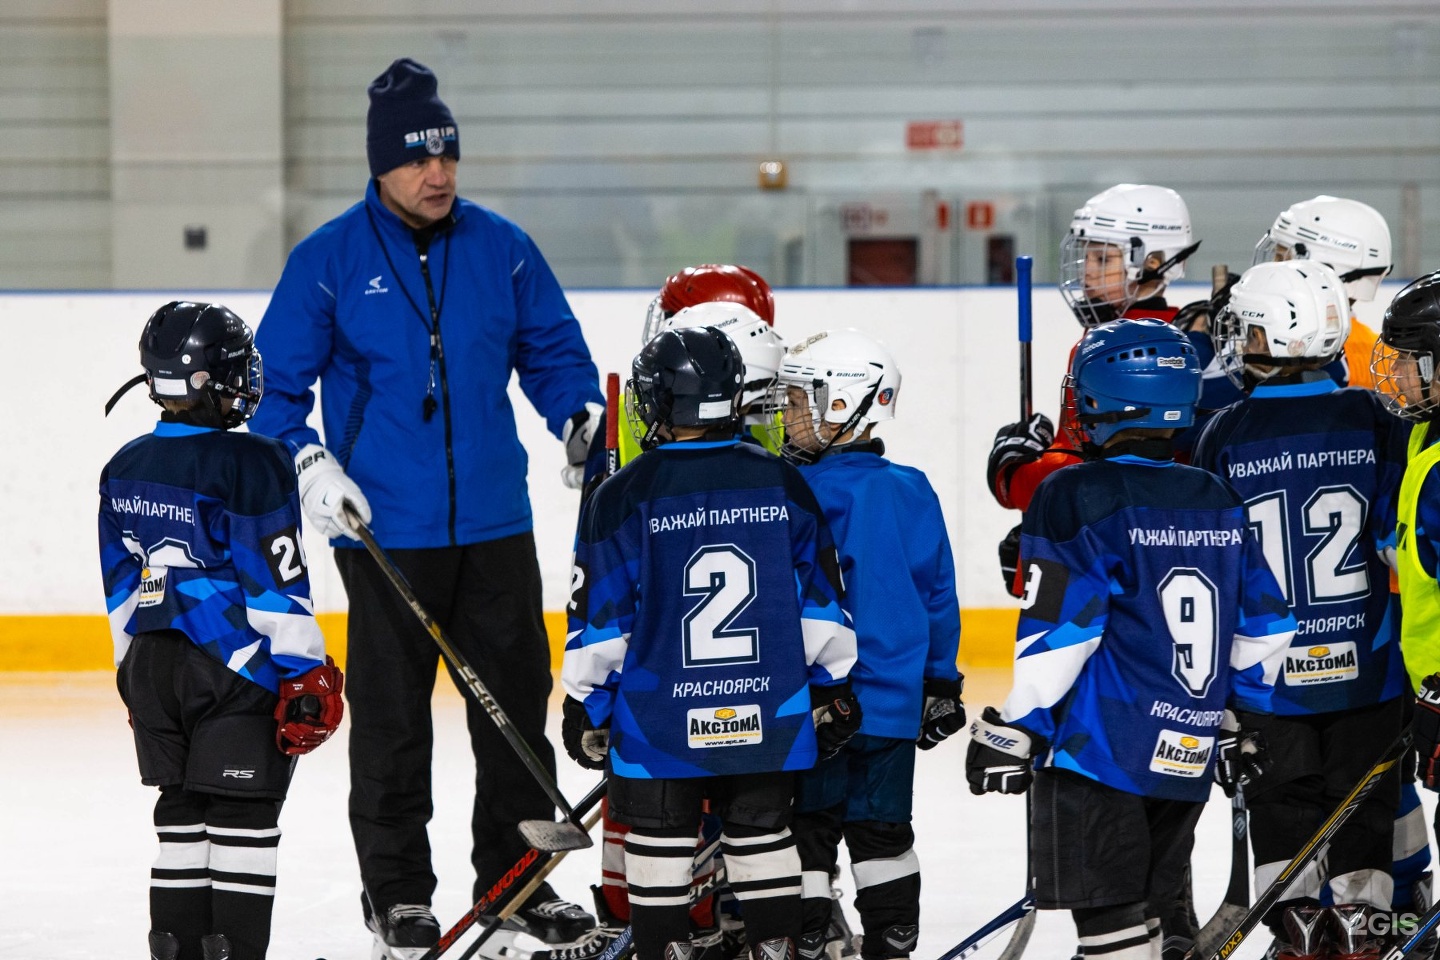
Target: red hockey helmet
[(707, 283)]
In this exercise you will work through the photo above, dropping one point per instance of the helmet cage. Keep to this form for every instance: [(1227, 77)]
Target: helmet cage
[(1404, 379)]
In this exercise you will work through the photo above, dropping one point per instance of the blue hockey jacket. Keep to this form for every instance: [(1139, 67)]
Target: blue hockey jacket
[(356, 307)]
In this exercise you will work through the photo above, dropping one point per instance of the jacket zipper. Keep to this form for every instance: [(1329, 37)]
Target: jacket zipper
[(438, 345)]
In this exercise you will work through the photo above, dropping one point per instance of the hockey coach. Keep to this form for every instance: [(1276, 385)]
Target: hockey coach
[(412, 308)]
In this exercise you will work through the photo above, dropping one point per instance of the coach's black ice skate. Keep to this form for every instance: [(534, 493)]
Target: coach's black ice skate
[(164, 946), (215, 946), (552, 921), (596, 942), (403, 932)]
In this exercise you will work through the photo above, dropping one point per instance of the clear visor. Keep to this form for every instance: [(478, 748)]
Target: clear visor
[(1270, 250), (1405, 380), (654, 320)]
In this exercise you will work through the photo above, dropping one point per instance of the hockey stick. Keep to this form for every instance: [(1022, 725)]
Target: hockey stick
[(1425, 925), (519, 898), (1023, 265), (622, 944), (1237, 895), (568, 834), (612, 424), (1309, 851), (527, 868), (1021, 913)]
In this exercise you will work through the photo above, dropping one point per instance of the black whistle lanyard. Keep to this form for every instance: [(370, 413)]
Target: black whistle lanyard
[(431, 321)]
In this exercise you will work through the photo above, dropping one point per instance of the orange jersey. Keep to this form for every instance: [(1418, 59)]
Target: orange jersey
[(1358, 347)]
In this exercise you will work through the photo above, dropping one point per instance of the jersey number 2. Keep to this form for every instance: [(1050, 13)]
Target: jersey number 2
[(724, 577)]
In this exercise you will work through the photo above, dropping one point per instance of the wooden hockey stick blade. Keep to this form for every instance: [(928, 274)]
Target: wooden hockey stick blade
[(554, 837), (1237, 896), (1218, 927), (1017, 912)]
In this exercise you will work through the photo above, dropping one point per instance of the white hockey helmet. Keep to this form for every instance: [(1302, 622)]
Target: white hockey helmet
[(1103, 258), (1299, 306), (761, 347), (850, 380), (1350, 236)]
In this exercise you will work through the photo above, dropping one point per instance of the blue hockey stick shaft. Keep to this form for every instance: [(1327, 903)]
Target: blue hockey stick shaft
[(1023, 267)]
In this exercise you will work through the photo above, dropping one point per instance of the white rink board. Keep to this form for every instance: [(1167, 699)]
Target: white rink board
[(68, 352)]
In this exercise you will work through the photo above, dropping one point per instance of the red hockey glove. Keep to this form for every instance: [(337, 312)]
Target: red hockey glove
[(943, 713), (1425, 729), (1001, 755), (587, 744), (836, 713), (310, 709), (1240, 755), (1017, 443)]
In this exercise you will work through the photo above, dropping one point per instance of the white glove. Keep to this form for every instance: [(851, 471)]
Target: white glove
[(577, 433), (323, 488)]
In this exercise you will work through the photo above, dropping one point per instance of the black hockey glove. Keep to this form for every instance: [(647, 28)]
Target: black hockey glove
[(943, 714), (1017, 443), (587, 744), (1240, 755), (836, 713), (1425, 729), (1001, 755), (1010, 560)]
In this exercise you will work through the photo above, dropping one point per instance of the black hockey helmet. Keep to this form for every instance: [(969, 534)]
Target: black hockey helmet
[(691, 377), (1406, 355), (200, 352)]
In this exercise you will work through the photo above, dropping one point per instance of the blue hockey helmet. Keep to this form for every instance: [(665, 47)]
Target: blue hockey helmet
[(1134, 373)]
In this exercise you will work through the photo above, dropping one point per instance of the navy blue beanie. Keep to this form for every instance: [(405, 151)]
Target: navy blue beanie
[(407, 119)]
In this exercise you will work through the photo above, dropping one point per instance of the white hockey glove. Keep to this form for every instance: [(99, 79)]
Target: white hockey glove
[(577, 433), (323, 488), (1001, 755)]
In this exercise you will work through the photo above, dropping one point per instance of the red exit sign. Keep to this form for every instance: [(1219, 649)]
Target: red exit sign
[(934, 135)]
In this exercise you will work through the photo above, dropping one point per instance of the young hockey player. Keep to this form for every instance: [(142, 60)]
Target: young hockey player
[(220, 661), (1351, 238), (1123, 247), (1318, 468), (1404, 366), (1148, 611), (761, 350), (895, 558), (705, 627)]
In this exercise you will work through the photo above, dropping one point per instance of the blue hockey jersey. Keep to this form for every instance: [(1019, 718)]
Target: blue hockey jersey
[(1148, 609), (899, 583), (1318, 468), (200, 533), (705, 602)]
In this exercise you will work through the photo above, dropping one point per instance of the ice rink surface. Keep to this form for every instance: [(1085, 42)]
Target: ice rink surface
[(76, 841)]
